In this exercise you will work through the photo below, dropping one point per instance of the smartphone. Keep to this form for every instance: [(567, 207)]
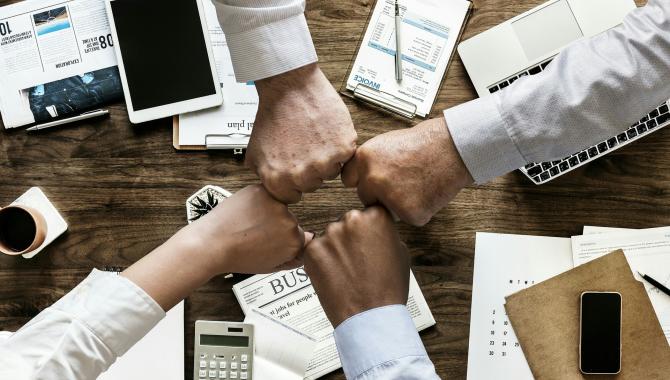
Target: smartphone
[(600, 333)]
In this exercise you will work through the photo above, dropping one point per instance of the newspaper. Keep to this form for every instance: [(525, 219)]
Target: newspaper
[(289, 296), (56, 59)]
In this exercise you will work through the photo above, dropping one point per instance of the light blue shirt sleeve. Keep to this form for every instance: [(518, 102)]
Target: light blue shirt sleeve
[(381, 344), (594, 89)]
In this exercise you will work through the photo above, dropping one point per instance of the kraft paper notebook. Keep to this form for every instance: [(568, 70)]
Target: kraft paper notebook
[(545, 318)]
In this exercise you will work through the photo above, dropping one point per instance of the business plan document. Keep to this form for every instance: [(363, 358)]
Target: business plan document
[(506, 264), (240, 100), (429, 32), (647, 251)]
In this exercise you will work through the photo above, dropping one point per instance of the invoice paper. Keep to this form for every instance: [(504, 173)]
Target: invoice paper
[(505, 264), (240, 100), (647, 251), (429, 33)]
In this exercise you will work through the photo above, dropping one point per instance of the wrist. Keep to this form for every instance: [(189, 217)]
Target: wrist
[(207, 259), (460, 175), (286, 82)]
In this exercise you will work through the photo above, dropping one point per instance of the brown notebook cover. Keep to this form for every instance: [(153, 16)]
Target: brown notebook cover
[(545, 318)]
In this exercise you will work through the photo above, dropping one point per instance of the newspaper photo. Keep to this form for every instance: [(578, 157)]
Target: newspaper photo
[(289, 297), (56, 59)]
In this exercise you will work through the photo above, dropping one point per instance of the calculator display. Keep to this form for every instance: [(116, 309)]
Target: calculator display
[(224, 340)]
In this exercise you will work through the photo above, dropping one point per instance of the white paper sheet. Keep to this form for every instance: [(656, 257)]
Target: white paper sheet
[(505, 264), (240, 100), (429, 34), (159, 355), (647, 251), (281, 353)]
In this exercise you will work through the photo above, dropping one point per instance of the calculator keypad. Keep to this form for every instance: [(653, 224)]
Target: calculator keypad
[(237, 365)]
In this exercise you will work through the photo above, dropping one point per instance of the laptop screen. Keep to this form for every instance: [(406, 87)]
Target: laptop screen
[(547, 29)]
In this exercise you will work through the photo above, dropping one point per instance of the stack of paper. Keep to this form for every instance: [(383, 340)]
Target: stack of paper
[(505, 264)]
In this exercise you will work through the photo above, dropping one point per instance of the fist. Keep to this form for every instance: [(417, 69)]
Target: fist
[(358, 264), (302, 135), (250, 232), (413, 172)]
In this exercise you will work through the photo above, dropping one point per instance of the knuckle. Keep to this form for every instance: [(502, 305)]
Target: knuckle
[(353, 216), (333, 229)]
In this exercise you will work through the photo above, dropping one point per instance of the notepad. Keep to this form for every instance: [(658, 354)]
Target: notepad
[(546, 318), (430, 30)]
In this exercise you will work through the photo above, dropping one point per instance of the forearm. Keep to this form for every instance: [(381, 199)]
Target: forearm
[(265, 37), (594, 89), (173, 270)]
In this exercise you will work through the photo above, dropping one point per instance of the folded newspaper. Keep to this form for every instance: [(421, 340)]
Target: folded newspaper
[(56, 60), (289, 296)]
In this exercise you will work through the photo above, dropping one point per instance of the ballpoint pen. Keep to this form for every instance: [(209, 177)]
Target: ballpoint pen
[(657, 284), (398, 50), (83, 116)]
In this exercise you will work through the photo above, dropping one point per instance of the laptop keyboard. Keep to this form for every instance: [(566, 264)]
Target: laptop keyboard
[(543, 172)]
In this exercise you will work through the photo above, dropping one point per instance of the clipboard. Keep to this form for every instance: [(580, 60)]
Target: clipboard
[(549, 331), (385, 101), (237, 142)]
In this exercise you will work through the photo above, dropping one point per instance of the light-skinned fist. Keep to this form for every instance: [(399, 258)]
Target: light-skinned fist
[(302, 135), (414, 172), (250, 232)]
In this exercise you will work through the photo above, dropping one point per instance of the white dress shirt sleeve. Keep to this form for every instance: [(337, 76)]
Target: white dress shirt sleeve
[(265, 37), (382, 344), (594, 89), (83, 333)]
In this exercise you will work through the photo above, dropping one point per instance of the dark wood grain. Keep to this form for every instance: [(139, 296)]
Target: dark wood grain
[(122, 190)]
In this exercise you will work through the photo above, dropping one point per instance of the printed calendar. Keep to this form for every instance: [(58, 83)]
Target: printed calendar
[(505, 264)]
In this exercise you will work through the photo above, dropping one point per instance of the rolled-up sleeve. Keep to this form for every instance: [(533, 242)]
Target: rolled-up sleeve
[(265, 37), (83, 333), (383, 344), (594, 89)]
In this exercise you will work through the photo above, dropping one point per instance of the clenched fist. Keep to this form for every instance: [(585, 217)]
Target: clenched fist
[(303, 133), (413, 172), (250, 232), (358, 264)]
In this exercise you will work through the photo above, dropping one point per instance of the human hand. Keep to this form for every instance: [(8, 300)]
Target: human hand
[(358, 264), (250, 232), (302, 135), (414, 172)]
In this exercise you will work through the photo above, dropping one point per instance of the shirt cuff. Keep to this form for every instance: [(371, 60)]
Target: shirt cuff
[(116, 310), (375, 337), (482, 139), (271, 49)]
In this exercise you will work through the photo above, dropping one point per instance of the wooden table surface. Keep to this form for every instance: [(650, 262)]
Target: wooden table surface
[(122, 190)]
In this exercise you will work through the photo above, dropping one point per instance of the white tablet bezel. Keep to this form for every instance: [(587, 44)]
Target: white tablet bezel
[(171, 109)]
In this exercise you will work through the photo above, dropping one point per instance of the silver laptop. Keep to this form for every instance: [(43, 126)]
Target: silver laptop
[(526, 44)]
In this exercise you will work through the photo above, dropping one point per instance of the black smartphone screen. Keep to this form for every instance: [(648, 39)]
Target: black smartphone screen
[(164, 51), (600, 339)]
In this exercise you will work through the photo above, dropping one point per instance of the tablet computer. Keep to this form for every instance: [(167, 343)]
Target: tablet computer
[(165, 57)]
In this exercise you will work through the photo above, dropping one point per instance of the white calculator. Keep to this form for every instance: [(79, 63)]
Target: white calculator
[(223, 350)]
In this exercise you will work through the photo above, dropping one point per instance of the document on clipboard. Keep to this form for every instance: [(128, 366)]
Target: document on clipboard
[(429, 32), (229, 125)]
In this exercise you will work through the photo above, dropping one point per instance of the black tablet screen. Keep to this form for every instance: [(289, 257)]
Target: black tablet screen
[(164, 51)]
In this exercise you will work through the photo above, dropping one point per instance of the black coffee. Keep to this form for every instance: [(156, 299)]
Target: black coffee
[(17, 229)]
